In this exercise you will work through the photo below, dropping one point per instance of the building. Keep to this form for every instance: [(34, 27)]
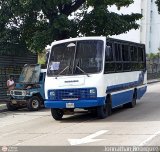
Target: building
[(149, 31), (150, 26)]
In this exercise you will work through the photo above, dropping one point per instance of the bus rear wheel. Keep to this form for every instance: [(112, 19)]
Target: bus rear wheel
[(105, 110), (133, 103), (134, 100), (57, 114)]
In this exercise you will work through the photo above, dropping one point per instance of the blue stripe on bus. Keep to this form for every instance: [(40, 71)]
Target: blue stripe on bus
[(123, 86), (127, 96), (122, 98), (141, 92), (77, 103)]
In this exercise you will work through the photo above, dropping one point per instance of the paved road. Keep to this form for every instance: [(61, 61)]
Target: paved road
[(137, 126)]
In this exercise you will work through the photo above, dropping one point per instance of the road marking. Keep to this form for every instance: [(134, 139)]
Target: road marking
[(149, 139), (87, 139)]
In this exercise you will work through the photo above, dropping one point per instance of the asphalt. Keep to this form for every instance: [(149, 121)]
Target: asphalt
[(139, 126), (3, 106)]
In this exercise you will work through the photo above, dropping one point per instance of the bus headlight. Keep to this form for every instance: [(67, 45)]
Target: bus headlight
[(52, 94), (92, 91)]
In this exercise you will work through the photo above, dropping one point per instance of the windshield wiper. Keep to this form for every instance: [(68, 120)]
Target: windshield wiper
[(82, 71), (62, 71)]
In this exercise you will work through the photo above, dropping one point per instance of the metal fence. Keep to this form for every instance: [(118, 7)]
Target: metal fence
[(12, 65), (153, 68)]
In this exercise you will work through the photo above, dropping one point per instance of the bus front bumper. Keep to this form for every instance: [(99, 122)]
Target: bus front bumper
[(63, 104)]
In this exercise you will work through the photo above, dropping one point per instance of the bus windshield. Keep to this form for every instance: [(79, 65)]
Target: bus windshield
[(76, 57)]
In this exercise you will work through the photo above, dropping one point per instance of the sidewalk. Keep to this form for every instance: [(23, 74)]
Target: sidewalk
[(153, 81), (2, 106)]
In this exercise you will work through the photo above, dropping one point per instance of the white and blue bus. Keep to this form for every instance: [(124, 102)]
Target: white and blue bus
[(94, 73)]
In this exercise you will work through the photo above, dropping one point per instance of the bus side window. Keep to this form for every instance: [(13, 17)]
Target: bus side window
[(144, 59), (134, 53), (109, 53), (140, 54), (141, 58), (126, 57), (118, 57), (109, 61)]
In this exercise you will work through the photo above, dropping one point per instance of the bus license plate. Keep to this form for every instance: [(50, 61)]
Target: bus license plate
[(69, 105)]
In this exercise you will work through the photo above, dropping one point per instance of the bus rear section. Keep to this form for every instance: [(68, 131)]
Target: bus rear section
[(125, 72), (95, 74)]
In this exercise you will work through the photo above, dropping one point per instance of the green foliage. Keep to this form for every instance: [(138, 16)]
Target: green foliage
[(153, 55), (41, 58), (158, 4), (32, 24)]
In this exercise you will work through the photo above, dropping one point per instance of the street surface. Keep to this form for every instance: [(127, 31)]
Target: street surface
[(139, 126)]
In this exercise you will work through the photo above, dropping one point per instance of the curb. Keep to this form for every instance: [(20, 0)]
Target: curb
[(3, 107), (154, 81)]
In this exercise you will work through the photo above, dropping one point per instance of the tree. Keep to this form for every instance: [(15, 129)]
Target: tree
[(32, 24), (158, 4)]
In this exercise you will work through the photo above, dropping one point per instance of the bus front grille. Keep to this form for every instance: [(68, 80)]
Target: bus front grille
[(73, 94)]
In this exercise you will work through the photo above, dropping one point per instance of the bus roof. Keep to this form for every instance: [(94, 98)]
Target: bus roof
[(92, 38), (122, 41), (79, 38)]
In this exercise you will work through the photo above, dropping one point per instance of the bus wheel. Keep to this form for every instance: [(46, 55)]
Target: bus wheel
[(93, 112), (105, 110), (33, 103), (57, 114), (132, 104), (109, 105), (134, 100), (10, 106)]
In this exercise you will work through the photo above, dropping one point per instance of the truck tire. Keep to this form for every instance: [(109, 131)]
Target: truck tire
[(33, 104), (57, 114), (105, 110), (10, 106)]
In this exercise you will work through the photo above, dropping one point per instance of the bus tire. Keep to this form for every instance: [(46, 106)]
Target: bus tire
[(33, 104), (93, 112), (133, 103), (109, 105), (105, 110), (10, 106), (57, 114)]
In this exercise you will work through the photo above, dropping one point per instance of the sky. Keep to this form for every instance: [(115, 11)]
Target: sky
[(132, 35)]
